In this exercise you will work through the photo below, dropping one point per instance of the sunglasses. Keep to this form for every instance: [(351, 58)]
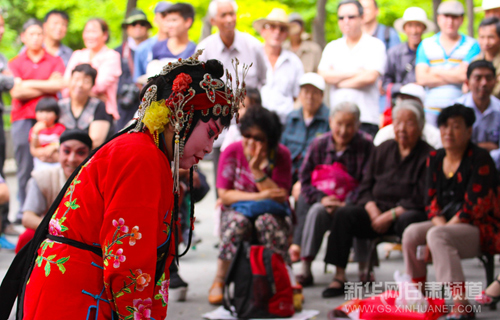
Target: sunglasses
[(141, 23), (272, 27), (257, 138), (348, 17)]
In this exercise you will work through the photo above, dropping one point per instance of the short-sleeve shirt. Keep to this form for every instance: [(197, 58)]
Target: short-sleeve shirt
[(367, 54), (94, 110), (161, 51), (234, 172), (23, 67), (282, 84), (430, 52), (35, 201), (49, 135)]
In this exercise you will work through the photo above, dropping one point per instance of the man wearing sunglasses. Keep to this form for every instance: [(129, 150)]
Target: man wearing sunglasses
[(284, 68), (136, 26), (352, 65)]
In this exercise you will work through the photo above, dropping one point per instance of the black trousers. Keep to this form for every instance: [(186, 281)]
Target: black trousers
[(353, 221)]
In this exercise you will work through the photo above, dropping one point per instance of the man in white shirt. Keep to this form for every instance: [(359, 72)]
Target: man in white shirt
[(284, 68), (352, 65)]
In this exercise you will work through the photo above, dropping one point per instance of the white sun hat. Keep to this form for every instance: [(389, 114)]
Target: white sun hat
[(414, 14)]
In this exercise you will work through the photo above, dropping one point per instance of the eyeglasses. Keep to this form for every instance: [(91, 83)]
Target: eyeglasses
[(272, 27), (348, 17), (257, 138), (141, 23)]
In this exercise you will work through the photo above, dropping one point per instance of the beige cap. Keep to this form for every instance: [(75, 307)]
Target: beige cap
[(452, 8), (278, 16)]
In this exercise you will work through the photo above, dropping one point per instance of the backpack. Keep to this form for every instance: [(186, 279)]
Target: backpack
[(262, 287)]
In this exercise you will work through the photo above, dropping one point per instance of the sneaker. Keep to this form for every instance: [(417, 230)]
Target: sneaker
[(5, 244)]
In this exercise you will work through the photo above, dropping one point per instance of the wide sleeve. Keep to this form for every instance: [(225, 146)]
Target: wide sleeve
[(108, 72), (310, 193), (432, 207), (136, 209), (481, 193), (366, 186)]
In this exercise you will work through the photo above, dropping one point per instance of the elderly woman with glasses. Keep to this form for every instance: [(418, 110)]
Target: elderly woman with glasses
[(254, 169), (462, 206), (391, 194)]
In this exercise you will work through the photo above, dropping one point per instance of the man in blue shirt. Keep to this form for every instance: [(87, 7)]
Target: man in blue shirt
[(306, 123), (481, 79), (442, 60), (143, 54)]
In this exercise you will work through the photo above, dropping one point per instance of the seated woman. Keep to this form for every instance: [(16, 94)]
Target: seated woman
[(345, 145), (391, 194), (45, 184), (256, 168), (83, 112), (462, 207)]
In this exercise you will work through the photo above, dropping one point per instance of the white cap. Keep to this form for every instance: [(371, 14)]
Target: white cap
[(488, 5), (313, 79), (414, 14), (414, 90)]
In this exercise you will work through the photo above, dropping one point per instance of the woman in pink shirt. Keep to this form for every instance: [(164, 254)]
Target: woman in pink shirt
[(105, 60)]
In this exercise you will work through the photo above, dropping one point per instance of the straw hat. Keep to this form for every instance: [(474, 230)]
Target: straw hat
[(277, 16), (414, 14)]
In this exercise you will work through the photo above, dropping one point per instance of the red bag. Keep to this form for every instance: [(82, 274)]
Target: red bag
[(333, 180), (382, 307)]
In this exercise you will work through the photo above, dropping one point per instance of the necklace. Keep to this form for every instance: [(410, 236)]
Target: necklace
[(450, 174)]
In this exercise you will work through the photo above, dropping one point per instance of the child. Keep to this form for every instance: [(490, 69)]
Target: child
[(44, 136)]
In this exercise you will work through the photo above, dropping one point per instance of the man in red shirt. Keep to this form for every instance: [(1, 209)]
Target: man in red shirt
[(37, 74)]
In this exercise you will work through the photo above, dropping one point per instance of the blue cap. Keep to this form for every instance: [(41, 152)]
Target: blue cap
[(162, 6)]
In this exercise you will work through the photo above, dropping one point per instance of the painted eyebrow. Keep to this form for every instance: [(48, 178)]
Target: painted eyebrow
[(218, 129)]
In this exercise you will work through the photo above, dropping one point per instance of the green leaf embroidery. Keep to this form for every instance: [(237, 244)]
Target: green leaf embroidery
[(130, 317), (127, 290), (72, 204), (39, 260), (62, 260), (63, 228), (106, 263), (47, 269), (62, 220), (119, 242), (130, 309), (61, 268), (51, 257), (158, 297), (119, 294)]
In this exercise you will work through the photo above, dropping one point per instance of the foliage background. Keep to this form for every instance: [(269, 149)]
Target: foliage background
[(16, 12)]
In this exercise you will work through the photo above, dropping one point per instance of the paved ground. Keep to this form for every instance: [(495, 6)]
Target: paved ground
[(198, 267)]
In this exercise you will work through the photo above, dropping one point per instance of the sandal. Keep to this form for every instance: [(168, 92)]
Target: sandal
[(487, 300), (216, 299), (305, 281), (460, 312), (364, 280), (334, 292)]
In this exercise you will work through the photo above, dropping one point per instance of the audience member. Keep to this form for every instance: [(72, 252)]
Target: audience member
[(252, 100), (345, 145), (400, 66), (6, 83), (83, 112), (105, 60), (265, 176), (307, 123), (136, 25), (44, 185), (44, 135), (308, 51), (430, 133), (491, 8), (391, 194), (371, 26), (352, 65), (442, 60), (55, 26), (227, 44), (481, 78), (489, 42), (284, 68), (460, 180), (37, 74), (179, 19), (143, 55)]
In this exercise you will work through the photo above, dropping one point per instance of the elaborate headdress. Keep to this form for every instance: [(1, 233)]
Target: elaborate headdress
[(181, 90)]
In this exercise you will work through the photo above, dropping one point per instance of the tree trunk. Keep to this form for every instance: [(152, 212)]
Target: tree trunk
[(206, 29), (319, 23), (435, 5), (131, 4), (470, 17)]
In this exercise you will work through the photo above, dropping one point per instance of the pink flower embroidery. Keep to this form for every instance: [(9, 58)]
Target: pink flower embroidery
[(142, 309), (54, 227), (136, 235), (120, 225), (164, 290), (119, 257), (142, 280)]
